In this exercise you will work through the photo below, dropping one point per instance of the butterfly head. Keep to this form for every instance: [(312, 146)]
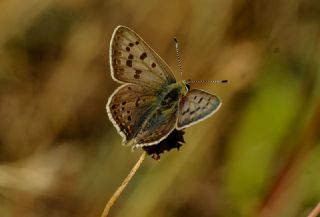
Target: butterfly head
[(185, 87)]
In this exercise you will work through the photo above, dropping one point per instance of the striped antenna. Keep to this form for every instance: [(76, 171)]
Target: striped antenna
[(178, 56), (207, 81)]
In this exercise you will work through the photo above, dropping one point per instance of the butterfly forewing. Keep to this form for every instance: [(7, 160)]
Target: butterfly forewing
[(196, 106), (128, 107), (133, 61)]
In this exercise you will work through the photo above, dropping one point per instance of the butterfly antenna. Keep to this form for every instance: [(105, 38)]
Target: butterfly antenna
[(178, 56), (207, 81)]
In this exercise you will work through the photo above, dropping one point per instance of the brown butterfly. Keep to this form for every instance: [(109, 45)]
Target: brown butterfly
[(150, 103)]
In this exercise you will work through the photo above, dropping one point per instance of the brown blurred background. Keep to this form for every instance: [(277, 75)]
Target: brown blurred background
[(257, 156)]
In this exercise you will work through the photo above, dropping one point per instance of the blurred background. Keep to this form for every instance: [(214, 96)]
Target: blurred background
[(257, 156)]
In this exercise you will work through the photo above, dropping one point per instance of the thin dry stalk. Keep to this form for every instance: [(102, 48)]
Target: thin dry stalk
[(315, 212), (125, 182)]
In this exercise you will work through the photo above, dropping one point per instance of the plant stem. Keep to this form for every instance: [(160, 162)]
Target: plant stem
[(125, 182), (315, 212)]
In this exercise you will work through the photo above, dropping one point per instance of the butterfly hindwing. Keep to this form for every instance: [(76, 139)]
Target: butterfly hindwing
[(128, 107), (133, 61), (158, 126), (196, 106)]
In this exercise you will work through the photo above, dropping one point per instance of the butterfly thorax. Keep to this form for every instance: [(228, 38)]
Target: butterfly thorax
[(168, 97)]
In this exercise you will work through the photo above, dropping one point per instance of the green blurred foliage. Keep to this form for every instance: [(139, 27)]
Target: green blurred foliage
[(257, 156)]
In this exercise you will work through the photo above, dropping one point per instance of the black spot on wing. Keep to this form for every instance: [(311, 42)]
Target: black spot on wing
[(186, 111), (136, 76), (143, 56), (137, 102), (129, 63)]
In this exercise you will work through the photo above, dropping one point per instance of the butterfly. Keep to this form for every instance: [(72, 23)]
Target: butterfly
[(150, 103)]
